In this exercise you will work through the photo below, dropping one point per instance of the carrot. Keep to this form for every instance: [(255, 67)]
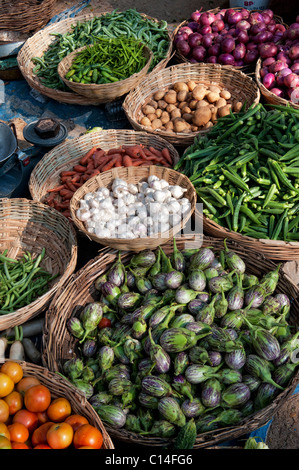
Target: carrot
[(115, 150), (109, 165), (86, 157), (142, 153), (127, 160), (118, 164), (75, 179), (165, 153), (66, 213), (80, 168), (155, 151), (132, 150), (95, 173), (97, 157), (137, 162), (65, 193), (67, 173), (71, 186), (56, 190)]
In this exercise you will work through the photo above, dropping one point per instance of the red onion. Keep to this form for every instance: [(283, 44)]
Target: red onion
[(268, 61), (280, 27), (268, 12), (277, 37), (214, 50), (256, 17), (205, 29), (212, 59), (207, 18), (219, 16), (291, 80), (277, 92), (243, 25), (281, 75), (294, 52), (180, 36), (257, 28), (243, 37), (294, 95), (218, 25), (268, 36), (185, 29), (245, 13), (194, 39), (193, 25), (207, 40), (195, 15), (295, 67), (251, 46), (269, 80), (251, 56), (226, 59), (183, 47), (268, 50), (198, 53), (271, 27), (266, 17), (227, 45), (260, 37), (239, 51), (293, 31), (239, 63), (277, 66), (234, 17), (264, 71), (283, 56)]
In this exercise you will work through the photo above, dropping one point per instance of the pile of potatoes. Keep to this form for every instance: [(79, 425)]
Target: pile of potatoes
[(187, 107)]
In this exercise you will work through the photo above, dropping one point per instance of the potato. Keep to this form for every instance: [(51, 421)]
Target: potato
[(162, 104), (159, 95), (193, 104), (212, 97), (194, 128), (153, 103), (207, 125), (182, 95), (145, 122), (186, 109), (158, 112), (214, 112), (170, 97), (201, 104), (191, 85), (225, 94), (187, 117), (237, 106), (221, 102), (169, 126), (175, 113), (199, 92), (180, 86), (224, 111), (164, 117), (156, 123), (201, 116), (147, 109), (215, 89), (170, 107), (179, 125), (151, 116)]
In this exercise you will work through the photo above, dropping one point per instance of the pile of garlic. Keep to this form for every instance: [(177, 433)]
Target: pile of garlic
[(133, 210)]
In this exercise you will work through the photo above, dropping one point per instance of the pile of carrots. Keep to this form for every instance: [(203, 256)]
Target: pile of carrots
[(96, 161)]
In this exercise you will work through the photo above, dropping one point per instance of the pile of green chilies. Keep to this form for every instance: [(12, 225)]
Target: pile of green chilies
[(110, 60), (129, 24), (21, 281), (246, 172)]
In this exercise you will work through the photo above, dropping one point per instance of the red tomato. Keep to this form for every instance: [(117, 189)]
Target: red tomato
[(5, 443), (76, 420), (14, 401), (25, 383), (42, 417), (19, 445), (4, 411), (26, 417), (88, 435), (39, 435), (42, 446), (6, 385), (104, 323), (13, 370), (60, 435), (59, 410), (37, 398), (18, 432)]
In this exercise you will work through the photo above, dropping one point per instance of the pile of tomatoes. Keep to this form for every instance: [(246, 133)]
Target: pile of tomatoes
[(31, 419)]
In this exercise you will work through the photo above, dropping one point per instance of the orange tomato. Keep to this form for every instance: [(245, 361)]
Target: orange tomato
[(4, 411), (85, 447), (6, 385), (60, 435), (4, 431), (19, 445), (76, 420), (42, 446), (18, 432), (39, 435), (13, 370), (25, 383), (88, 435), (14, 401), (37, 398), (5, 443), (42, 417), (26, 417), (59, 410)]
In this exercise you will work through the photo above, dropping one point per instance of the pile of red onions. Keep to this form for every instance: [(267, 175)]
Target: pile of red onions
[(230, 37), (279, 72)]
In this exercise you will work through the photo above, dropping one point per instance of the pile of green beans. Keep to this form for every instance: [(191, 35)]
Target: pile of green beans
[(129, 24), (110, 60), (246, 172), (21, 281)]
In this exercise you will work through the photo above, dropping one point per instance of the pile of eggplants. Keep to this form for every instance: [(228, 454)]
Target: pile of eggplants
[(191, 335)]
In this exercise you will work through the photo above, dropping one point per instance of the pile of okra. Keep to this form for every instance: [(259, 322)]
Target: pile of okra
[(246, 172)]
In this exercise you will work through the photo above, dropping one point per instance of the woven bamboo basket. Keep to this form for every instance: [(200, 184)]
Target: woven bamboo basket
[(60, 387), (134, 175), (241, 87), (59, 346), (36, 45), (107, 91), (249, 69), (267, 95), (276, 250), (31, 226), (25, 15), (45, 174)]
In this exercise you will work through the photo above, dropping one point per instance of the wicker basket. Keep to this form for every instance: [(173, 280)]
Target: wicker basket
[(45, 174), (241, 87), (276, 250), (25, 15), (31, 226), (267, 95), (134, 175), (108, 91), (249, 69), (60, 387), (36, 45), (59, 346)]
